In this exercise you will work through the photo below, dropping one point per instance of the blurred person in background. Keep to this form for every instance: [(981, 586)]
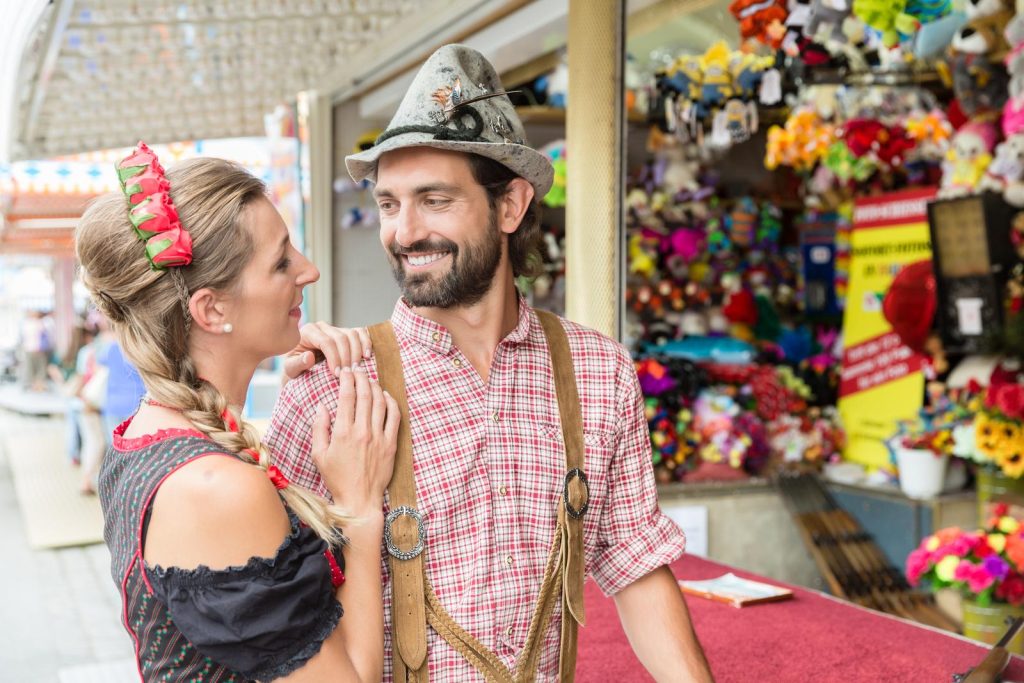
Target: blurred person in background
[(69, 376), (36, 341), (227, 571), (91, 392), (124, 388)]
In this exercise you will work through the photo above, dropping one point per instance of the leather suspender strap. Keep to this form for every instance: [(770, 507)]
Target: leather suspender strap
[(409, 619), (575, 493), (414, 603)]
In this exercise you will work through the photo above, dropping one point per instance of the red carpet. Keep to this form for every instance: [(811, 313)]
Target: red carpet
[(810, 638)]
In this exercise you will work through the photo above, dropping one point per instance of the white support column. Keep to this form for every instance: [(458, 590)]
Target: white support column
[(319, 219), (594, 138)]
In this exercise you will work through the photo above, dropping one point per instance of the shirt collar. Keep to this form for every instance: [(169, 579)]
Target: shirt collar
[(414, 327)]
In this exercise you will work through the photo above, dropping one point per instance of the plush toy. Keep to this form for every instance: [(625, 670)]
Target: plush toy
[(827, 14), (1006, 172), (885, 145), (984, 32), (889, 17), (761, 20), (931, 133), (968, 158)]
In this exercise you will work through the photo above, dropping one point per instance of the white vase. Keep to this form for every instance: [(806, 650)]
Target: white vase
[(922, 473)]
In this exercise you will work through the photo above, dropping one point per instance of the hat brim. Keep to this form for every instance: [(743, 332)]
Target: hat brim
[(524, 161)]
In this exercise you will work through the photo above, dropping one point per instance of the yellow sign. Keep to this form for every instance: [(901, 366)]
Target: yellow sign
[(881, 379)]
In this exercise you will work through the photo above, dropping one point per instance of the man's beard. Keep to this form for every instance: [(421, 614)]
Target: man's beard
[(468, 278)]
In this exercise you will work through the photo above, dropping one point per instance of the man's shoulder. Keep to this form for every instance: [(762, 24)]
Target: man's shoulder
[(588, 344), (310, 385)]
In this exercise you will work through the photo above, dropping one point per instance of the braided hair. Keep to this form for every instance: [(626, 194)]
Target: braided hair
[(149, 310)]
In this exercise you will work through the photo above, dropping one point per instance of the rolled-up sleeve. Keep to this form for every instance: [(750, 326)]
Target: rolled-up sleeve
[(290, 434), (635, 537)]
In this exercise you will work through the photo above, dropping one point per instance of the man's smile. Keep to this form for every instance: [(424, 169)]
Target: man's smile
[(424, 260)]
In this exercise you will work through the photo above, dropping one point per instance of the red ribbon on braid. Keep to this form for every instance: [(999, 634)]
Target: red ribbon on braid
[(229, 420), (277, 477), (337, 576)]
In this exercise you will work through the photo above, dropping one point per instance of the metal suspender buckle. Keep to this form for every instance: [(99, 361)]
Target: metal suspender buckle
[(389, 540), (569, 509)]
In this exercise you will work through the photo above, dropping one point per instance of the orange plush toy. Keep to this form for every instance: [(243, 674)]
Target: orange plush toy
[(762, 20)]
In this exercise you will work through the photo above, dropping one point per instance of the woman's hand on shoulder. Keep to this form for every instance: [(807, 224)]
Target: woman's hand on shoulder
[(339, 346), (357, 455), (217, 511)]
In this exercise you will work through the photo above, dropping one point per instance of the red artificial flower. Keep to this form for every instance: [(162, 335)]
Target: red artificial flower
[(170, 249), (1010, 400), (153, 215), (140, 156), (149, 181), (1011, 588), (973, 386)]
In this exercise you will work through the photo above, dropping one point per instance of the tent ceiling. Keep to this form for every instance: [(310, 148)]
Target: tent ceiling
[(105, 73)]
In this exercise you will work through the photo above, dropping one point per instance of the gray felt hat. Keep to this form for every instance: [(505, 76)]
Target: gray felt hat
[(457, 102)]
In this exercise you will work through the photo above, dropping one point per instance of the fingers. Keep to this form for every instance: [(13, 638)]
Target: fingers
[(346, 401), (353, 346), (297, 364), (320, 336), (321, 436), (339, 346), (379, 409), (364, 337), (393, 419), (364, 402)]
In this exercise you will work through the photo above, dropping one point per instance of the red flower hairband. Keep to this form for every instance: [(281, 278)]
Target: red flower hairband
[(151, 211)]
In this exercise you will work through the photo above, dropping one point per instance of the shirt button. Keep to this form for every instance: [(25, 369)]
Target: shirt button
[(508, 561), (508, 632), (457, 363), (503, 490), (436, 336), (495, 416)]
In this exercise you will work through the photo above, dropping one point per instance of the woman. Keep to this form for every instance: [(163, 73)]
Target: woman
[(228, 572)]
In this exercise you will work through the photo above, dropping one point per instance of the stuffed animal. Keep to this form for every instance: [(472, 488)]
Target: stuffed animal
[(984, 32), (1006, 172), (761, 20), (968, 158), (891, 18), (1013, 111), (827, 14)]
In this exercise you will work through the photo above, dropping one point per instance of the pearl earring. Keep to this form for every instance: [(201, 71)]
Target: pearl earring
[(227, 328)]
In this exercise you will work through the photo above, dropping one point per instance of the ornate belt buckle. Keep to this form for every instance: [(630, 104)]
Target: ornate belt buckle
[(569, 509), (421, 533)]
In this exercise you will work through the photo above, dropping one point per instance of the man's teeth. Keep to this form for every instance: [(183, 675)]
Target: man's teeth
[(424, 260)]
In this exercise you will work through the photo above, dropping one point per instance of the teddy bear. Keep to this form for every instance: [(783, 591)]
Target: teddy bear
[(976, 54), (967, 158), (1006, 172), (983, 34)]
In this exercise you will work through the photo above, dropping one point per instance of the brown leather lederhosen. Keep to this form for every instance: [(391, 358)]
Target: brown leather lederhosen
[(414, 604)]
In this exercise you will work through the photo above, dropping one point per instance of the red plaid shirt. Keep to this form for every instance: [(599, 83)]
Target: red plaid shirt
[(489, 466)]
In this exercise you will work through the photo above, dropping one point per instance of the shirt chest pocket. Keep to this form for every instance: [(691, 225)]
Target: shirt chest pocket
[(600, 449)]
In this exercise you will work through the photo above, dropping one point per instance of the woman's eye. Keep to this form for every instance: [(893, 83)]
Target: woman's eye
[(283, 264)]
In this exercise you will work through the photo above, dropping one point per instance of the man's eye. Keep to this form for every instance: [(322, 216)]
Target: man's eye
[(435, 202), (283, 264)]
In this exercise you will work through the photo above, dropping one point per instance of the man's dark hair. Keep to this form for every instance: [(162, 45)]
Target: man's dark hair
[(524, 245)]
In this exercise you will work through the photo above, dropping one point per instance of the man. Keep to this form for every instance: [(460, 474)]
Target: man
[(490, 477)]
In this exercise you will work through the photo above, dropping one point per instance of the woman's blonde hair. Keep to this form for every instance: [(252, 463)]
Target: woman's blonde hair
[(149, 309)]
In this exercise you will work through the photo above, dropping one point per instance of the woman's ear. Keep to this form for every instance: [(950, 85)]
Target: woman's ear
[(516, 200), (208, 310)]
